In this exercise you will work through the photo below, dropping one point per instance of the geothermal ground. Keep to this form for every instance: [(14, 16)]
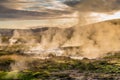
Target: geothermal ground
[(90, 41), (51, 53)]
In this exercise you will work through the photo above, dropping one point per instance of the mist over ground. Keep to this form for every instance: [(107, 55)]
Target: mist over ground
[(59, 40), (66, 24), (91, 41)]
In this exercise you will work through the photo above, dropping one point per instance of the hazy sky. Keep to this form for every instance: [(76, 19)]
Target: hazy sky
[(17, 10)]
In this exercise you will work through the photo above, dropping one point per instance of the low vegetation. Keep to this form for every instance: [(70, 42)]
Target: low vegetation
[(63, 68)]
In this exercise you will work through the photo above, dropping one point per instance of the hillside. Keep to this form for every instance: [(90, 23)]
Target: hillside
[(91, 41), (61, 53)]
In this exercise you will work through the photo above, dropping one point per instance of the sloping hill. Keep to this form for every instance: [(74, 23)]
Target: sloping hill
[(89, 41)]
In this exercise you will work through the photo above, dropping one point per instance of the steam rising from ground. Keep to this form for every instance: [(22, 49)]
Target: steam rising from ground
[(91, 41), (78, 41)]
